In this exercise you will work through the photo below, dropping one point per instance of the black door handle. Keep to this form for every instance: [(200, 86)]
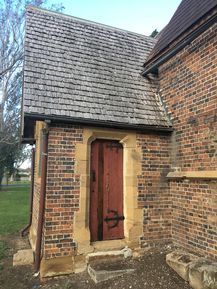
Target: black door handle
[(116, 219)]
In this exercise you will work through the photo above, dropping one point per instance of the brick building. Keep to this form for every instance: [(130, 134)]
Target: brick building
[(125, 151)]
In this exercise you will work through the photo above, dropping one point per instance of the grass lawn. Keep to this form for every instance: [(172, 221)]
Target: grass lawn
[(19, 182), (14, 208)]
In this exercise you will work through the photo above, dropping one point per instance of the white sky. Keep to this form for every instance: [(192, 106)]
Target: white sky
[(141, 16)]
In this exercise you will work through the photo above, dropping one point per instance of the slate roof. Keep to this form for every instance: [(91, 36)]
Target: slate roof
[(85, 71), (187, 14)]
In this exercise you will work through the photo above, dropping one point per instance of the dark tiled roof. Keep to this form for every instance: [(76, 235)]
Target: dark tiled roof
[(186, 15), (87, 71)]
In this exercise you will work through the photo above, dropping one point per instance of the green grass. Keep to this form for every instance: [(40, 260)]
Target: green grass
[(19, 182), (14, 208)]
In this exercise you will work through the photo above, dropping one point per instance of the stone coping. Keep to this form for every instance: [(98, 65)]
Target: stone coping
[(211, 175)]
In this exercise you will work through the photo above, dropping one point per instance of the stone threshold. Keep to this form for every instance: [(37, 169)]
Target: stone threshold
[(108, 245)]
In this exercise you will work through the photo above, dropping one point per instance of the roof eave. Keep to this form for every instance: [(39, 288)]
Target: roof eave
[(99, 123), (153, 64)]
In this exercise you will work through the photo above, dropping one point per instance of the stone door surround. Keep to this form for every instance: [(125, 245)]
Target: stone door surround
[(133, 224)]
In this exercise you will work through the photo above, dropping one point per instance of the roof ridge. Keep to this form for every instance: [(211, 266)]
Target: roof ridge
[(60, 14)]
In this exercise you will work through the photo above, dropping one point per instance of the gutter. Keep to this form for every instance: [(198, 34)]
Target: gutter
[(45, 132), (153, 67), (98, 123), (24, 230)]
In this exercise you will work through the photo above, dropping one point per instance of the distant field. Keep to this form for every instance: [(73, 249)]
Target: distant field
[(14, 207), (16, 182)]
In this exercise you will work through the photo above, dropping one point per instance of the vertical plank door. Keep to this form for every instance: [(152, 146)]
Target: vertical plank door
[(106, 190)]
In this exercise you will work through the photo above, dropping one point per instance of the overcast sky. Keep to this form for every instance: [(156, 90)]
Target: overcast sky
[(141, 16)]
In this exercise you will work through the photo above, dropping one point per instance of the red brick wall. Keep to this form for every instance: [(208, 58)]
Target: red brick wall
[(153, 189), (63, 188), (194, 221), (188, 85)]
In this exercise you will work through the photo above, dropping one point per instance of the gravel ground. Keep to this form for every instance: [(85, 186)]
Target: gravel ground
[(151, 272)]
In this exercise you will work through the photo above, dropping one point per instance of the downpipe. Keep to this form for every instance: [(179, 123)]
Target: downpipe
[(45, 132)]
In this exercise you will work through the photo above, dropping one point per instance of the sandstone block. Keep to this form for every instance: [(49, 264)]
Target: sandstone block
[(203, 274), (23, 257), (109, 255), (179, 261), (102, 273)]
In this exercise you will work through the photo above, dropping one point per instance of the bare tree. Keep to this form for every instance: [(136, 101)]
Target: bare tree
[(12, 18)]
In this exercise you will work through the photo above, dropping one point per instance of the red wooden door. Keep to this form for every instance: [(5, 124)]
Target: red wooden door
[(106, 190)]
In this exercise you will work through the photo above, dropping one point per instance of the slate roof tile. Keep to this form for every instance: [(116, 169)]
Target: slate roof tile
[(84, 70), (186, 15)]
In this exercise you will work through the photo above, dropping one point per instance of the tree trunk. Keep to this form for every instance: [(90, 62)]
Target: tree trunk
[(1, 176)]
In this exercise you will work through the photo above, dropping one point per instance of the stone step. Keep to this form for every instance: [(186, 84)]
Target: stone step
[(200, 272), (113, 255), (104, 271)]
